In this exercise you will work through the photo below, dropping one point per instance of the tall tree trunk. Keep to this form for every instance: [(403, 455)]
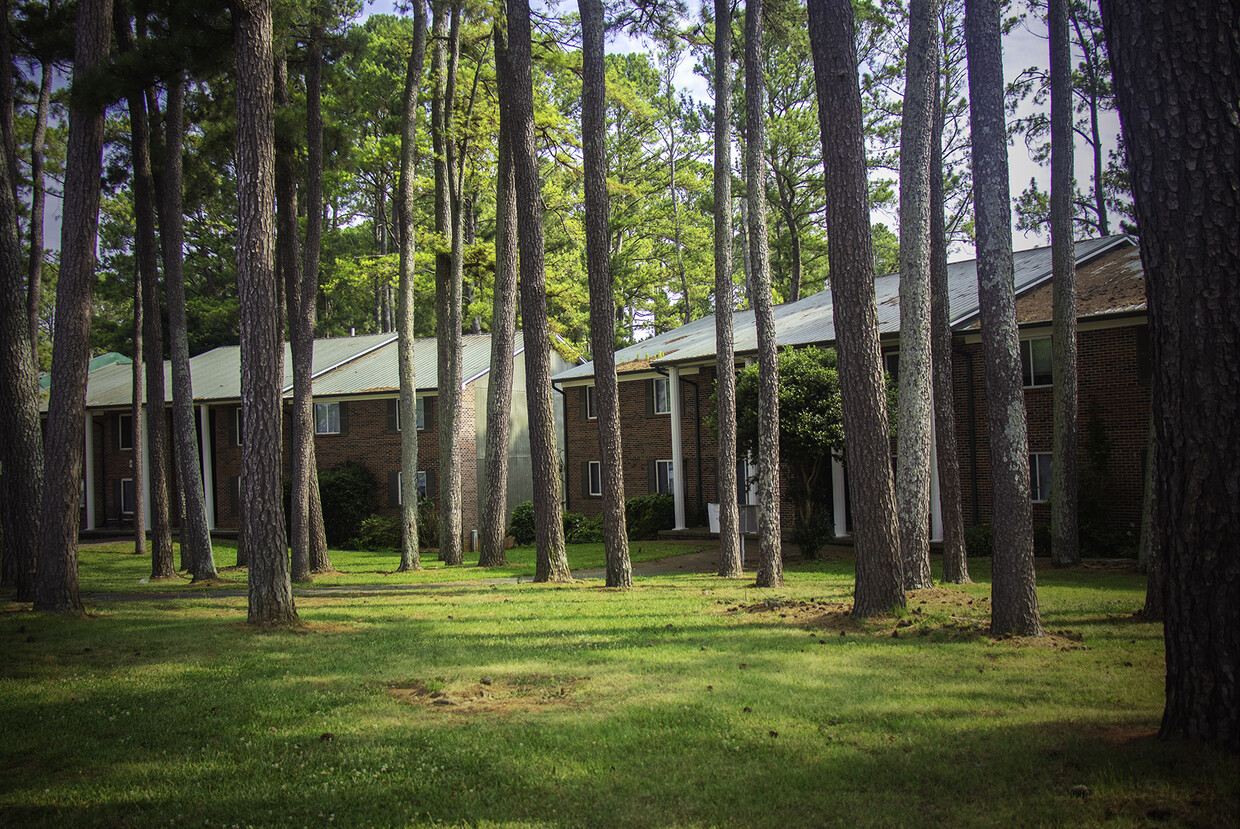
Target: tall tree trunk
[(137, 438), (195, 535), (770, 557), (8, 126), (1149, 559), (56, 581), (602, 302), (725, 352), (448, 273), (503, 328), (21, 441), (915, 412), (1065, 544), (880, 582), (409, 556), (1184, 159), (155, 431), (551, 563), (955, 559), (262, 352), (38, 201), (1014, 598), (301, 340), (302, 335)]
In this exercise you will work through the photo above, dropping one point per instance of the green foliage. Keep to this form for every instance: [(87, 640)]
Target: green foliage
[(813, 533), (979, 541), (646, 515), (428, 524), (521, 527), (377, 532), (347, 492), (579, 529)]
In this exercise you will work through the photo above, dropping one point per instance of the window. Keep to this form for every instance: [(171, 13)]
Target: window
[(126, 496), (665, 477), (1035, 362), (743, 483), (1040, 476), (327, 418), (595, 473), (662, 396), (591, 412), (82, 496), (239, 433), (125, 432), (420, 407), (400, 486)]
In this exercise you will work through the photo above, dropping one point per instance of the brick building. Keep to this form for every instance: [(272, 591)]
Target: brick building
[(669, 446), (355, 389)]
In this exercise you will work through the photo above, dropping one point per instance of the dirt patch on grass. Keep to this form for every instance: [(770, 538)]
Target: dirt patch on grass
[(944, 612), (490, 695)]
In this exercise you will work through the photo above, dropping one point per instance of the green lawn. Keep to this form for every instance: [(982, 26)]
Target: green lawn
[(688, 701), (113, 568)]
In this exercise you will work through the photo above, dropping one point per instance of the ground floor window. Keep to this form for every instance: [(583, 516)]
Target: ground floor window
[(665, 477), (400, 486), (1040, 476), (126, 496), (595, 472)]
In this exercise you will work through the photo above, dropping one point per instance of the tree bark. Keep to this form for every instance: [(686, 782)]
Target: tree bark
[(725, 352), (38, 201), (770, 558), (602, 302), (21, 441), (56, 582), (262, 352), (1065, 544), (1148, 557), (137, 438), (915, 411), (503, 328), (409, 556), (195, 535), (551, 564), (880, 581), (8, 125), (1014, 598), (301, 339), (1177, 78), (448, 276), (955, 558)]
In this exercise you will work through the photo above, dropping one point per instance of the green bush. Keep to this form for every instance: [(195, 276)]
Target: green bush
[(522, 526), (1042, 539), (428, 524), (978, 542), (645, 515), (815, 533), (581, 530), (378, 532), (347, 492)]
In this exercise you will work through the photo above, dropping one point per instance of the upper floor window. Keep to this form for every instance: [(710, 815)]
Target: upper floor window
[(124, 434), (420, 407), (1035, 362), (662, 395), (591, 412), (327, 418)]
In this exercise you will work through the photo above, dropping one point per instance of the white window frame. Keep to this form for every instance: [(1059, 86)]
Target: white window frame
[(666, 383), (665, 474), (594, 469), (1036, 495), (240, 434), (1027, 364), (329, 405), (124, 435), (121, 505), (419, 408), (400, 486), (591, 411)]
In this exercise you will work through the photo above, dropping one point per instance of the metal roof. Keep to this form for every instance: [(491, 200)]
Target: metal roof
[(810, 320), (377, 372), (341, 366)]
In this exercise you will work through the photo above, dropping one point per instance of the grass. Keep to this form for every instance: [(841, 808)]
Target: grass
[(113, 568), (688, 701)]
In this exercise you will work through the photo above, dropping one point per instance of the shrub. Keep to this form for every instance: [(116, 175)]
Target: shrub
[(428, 524), (978, 542), (378, 532), (581, 530), (522, 526), (347, 492), (815, 533), (1042, 539), (645, 515)]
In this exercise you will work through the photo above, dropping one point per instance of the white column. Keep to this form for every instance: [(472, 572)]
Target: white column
[(678, 453), (146, 468), (208, 477), (89, 480), (837, 497), (936, 504)]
